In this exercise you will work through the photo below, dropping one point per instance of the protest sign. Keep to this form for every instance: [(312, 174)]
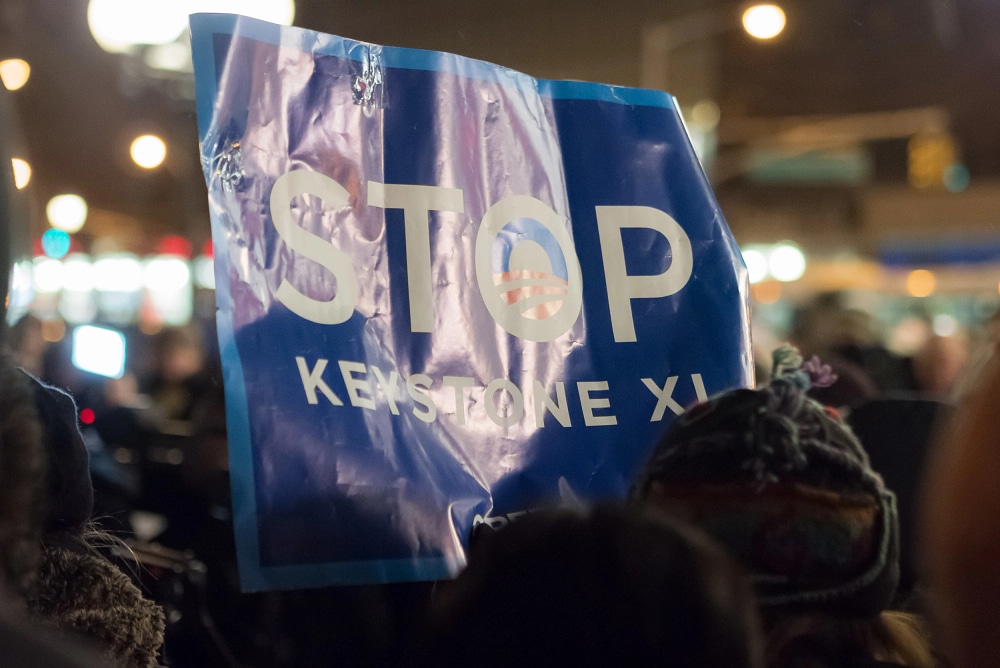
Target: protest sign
[(448, 294)]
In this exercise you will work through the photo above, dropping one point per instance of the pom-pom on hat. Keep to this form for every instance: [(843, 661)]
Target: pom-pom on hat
[(784, 483)]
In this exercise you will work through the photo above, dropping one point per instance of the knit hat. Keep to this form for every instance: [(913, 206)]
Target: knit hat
[(784, 483)]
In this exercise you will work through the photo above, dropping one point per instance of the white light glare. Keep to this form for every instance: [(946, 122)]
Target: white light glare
[(21, 290), (945, 325), (67, 212), (78, 273), (118, 273), (756, 263), (22, 172), (764, 21), (118, 25), (204, 272), (14, 73), (47, 275), (786, 262), (148, 151), (99, 350), (166, 274)]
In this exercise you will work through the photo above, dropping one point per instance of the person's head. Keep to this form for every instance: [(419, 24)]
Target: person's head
[(612, 586), (47, 564), (784, 484), (940, 362), (180, 353), (28, 345)]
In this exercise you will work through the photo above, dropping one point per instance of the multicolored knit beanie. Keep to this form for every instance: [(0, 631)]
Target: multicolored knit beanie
[(782, 481)]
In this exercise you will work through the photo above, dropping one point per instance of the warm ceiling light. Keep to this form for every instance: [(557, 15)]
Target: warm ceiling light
[(118, 25), (14, 72), (22, 172), (764, 21), (920, 283), (66, 212), (148, 151)]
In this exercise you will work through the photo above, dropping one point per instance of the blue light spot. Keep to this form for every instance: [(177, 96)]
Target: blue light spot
[(956, 178), (55, 243)]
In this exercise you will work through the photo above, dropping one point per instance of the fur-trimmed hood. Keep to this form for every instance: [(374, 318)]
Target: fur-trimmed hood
[(81, 591)]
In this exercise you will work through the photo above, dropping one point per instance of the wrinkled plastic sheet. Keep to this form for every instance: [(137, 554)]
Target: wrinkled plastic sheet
[(448, 294)]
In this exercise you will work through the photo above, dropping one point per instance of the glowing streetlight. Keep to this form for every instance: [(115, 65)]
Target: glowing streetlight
[(148, 151), (765, 21), (67, 212), (14, 73), (22, 172)]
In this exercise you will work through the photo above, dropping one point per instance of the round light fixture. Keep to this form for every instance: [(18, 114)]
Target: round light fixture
[(14, 73), (67, 212), (765, 21), (148, 151)]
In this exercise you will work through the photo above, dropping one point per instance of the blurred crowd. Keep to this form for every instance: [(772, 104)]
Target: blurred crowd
[(831, 516)]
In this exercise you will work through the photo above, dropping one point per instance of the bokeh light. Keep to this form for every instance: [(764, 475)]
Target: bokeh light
[(756, 262), (14, 73), (920, 283), (956, 178), (67, 212), (53, 330), (22, 173), (204, 272), (166, 274), (945, 325), (47, 275), (148, 151), (120, 272), (55, 243), (764, 21), (786, 262), (78, 273), (767, 292), (119, 25)]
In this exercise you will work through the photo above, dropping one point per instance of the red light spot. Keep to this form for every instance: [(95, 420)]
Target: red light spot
[(87, 416), (207, 249), (173, 245)]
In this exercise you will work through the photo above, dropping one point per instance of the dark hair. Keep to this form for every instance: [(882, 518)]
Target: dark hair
[(824, 641), (614, 586)]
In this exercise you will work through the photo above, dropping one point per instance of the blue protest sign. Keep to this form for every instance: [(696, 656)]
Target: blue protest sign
[(448, 294)]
